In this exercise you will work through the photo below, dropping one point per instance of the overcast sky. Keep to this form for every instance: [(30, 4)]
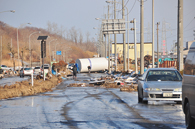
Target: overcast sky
[(82, 14)]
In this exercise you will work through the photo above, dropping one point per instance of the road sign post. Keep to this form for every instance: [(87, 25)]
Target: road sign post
[(43, 51)]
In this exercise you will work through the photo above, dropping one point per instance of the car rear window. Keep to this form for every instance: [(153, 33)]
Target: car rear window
[(37, 67), (27, 68), (46, 67)]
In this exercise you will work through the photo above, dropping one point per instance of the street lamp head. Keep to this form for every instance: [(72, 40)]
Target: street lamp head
[(108, 1), (13, 11), (97, 18), (94, 28), (29, 23)]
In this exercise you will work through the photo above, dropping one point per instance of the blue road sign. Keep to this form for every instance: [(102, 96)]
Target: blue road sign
[(58, 52)]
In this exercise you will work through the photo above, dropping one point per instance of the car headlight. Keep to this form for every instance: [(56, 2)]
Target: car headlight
[(152, 89), (178, 89)]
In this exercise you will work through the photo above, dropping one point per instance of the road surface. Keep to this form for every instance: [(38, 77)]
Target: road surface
[(88, 108)]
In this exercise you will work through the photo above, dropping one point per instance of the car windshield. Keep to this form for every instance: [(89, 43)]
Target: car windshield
[(37, 67), (27, 68), (46, 67), (163, 75)]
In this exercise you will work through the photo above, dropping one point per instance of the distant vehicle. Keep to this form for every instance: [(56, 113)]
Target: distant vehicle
[(26, 72), (46, 70), (37, 70), (5, 68), (47, 65), (160, 84), (188, 89)]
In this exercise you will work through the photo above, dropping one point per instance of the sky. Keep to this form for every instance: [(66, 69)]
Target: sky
[(81, 14)]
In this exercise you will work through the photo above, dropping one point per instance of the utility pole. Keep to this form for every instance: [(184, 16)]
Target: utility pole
[(180, 36), (124, 42), (135, 47), (158, 23), (153, 34), (142, 37), (109, 44), (115, 49)]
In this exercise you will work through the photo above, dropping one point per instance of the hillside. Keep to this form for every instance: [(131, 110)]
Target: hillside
[(72, 45)]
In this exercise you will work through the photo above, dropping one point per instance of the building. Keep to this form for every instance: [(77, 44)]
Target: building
[(188, 44), (119, 46)]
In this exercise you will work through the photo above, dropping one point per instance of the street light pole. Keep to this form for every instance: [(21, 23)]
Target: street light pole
[(18, 42), (30, 47)]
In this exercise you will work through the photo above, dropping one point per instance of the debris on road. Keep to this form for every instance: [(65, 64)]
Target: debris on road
[(77, 85), (129, 88)]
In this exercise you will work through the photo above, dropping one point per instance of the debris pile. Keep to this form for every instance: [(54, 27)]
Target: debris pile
[(110, 85), (77, 85), (129, 88)]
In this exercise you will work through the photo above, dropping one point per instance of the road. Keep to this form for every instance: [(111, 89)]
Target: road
[(11, 80), (88, 108)]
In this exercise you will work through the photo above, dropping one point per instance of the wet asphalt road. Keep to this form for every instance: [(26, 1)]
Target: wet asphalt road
[(88, 108)]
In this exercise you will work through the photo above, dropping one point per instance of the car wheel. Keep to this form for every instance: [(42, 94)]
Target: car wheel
[(144, 101), (190, 122), (139, 98)]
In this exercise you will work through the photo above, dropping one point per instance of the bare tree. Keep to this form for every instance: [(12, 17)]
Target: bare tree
[(80, 37), (12, 53), (87, 37)]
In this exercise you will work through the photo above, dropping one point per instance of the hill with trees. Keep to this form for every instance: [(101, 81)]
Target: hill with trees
[(69, 41)]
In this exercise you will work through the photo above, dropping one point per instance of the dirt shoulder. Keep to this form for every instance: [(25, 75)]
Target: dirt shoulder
[(25, 88)]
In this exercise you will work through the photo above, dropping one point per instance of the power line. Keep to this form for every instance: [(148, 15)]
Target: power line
[(131, 8), (189, 23)]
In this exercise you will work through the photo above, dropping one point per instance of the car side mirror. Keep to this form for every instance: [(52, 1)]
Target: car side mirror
[(140, 78)]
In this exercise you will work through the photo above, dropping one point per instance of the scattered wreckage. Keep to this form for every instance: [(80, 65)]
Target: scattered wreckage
[(124, 82)]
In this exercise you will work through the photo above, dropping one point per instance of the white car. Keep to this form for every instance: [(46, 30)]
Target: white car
[(160, 84), (46, 70), (26, 72), (5, 68), (37, 70)]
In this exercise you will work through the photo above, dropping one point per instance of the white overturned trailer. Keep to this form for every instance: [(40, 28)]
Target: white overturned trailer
[(97, 64)]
